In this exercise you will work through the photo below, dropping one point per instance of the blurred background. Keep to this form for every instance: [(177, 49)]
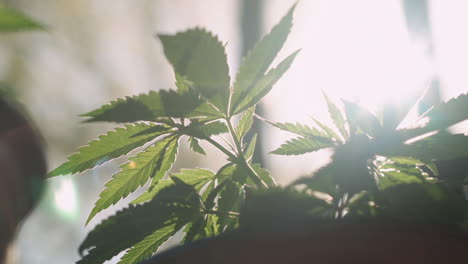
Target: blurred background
[(95, 51)]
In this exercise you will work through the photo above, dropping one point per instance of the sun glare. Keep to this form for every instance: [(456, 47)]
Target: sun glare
[(359, 51), (65, 198)]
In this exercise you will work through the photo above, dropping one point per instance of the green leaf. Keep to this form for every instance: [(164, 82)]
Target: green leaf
[(264, 175), (337, 117), (154, 162), (129, 109), (230, 200), (200, 57), (440, 117), (360, 118), (146, 107), (194, 177), (146, 248), (400, 170), (259, 59), (251, 147), (239, 175), (109, 146), (209, 187), (261, 87), (393, 178), (214, 128), (204, 130), (183, 85), (13, 20), (195, 230), (302, 145), (212, 226), (204, 227), (223, 176), (442, 146), (165, 164), (245, 123), (300, 129), (207, 112), (195, 146), (151, 193), (178, 204), (197, 178), (329, 132), (449, 113)]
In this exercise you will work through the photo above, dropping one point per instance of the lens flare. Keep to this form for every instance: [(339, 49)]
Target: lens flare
[(65, 198)]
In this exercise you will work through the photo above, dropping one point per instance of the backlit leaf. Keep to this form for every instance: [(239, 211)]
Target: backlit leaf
[(206, 112), (214, 128), (195, 230), (440, 117), (360, 118), (400, 170), (197, 178), (112, 145), (146, 107), (204, 130), (195, 146), (231, 199), (262, 86), (182, 84), (200, 57), (442, 146), (165, 163), (245, 123), (177, 204), (223, 176), (329, 132), (146, 248), (337, 117), (135, 173), (264, 175), (301, 145), (259, 59), (300, 129), (448, 113), (251, 147)]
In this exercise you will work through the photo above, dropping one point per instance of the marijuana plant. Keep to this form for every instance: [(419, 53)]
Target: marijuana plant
[(379, 168), (200, 202)]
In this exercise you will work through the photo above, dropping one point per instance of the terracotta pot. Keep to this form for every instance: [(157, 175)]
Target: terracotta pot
[(336, 242)]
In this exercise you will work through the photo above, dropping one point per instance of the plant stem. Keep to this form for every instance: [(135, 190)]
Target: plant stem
[(222, 148), (241, 158), (234, 137), (229, 213)]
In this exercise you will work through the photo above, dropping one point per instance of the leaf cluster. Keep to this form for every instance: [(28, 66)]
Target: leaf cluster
[(197, 202), (381, 168)]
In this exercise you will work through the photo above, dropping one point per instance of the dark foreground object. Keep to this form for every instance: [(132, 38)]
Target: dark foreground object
[(22, 170), (328, 243)]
